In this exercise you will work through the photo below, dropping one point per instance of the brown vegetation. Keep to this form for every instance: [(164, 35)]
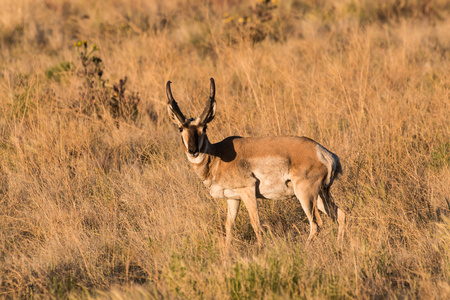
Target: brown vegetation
[(97, 198)]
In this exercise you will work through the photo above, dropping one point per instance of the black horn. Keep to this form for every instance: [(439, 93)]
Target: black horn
[(212, 90)]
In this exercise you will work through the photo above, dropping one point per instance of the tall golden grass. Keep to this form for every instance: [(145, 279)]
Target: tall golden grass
[(95, 205)]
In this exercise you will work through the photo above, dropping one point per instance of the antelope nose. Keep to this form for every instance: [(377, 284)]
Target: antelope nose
[(193, 152)]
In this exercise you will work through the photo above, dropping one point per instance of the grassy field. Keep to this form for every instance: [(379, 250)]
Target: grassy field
[(97, 199)]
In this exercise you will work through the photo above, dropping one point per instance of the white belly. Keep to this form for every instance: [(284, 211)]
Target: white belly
[(217, 191), (270, 188), (275, 189), (273, 180)]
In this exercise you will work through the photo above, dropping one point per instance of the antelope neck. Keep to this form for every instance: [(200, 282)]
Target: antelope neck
[(202, 164)]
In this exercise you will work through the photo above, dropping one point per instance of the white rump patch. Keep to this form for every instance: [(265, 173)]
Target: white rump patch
[(328, 159)]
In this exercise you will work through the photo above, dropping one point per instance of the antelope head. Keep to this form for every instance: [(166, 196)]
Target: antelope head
[(193, 131)]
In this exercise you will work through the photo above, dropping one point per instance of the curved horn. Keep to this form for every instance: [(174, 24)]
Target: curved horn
[(210, 108), (169, 92), (173, 105)]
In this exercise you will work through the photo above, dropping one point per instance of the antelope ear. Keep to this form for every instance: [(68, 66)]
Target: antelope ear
[(211, 114), (172, 108), (176, 119), (210, 109)]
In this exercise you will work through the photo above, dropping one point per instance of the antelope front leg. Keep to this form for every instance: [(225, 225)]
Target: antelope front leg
[(233, 209), (249, 198)]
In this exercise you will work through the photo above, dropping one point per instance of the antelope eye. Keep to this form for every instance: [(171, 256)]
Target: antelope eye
[(204, 129), (181, 129)]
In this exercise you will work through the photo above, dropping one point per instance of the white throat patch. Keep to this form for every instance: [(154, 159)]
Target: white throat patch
[(196, 160)]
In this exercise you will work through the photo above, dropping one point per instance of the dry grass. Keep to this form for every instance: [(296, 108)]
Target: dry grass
[(99, 205)]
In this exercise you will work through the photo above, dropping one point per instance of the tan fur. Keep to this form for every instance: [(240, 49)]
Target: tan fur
[(244, 169)]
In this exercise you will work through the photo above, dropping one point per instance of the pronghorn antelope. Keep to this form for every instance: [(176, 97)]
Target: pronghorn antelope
[(245, 169)]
